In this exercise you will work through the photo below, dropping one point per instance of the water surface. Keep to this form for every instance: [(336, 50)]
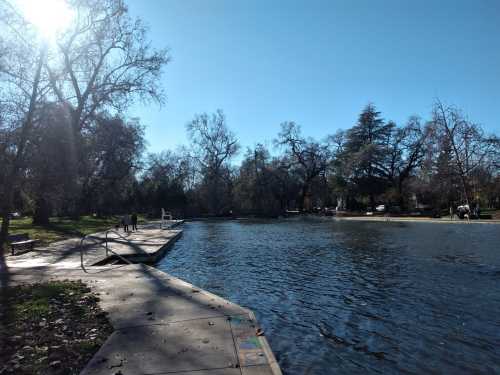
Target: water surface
[(338, 297)]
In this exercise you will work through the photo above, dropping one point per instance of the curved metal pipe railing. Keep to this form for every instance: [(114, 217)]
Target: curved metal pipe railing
[(108, 250)]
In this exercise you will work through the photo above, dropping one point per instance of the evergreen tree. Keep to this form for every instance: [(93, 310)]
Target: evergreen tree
[(366, 152)]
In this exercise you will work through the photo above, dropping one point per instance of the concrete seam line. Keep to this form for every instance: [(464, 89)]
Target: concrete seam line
[(235, 347), (180, 321)]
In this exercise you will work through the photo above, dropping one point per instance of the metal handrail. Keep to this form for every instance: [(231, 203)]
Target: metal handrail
[(107, 249), (81, 250), (106, 246)]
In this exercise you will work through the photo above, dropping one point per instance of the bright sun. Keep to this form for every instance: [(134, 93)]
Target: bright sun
[(48, 16)]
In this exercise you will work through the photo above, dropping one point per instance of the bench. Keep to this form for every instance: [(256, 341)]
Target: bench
[(21, 241), (485, 216)]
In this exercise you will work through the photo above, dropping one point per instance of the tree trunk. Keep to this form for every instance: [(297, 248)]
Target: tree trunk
[(5, 229), (372, 201), (400, 195), (4, 274), (12, 180), (75, 213), (465, 187), (41, 215), (303, 197)]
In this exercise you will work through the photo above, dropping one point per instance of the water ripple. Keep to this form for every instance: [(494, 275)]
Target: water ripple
[(345, 297)]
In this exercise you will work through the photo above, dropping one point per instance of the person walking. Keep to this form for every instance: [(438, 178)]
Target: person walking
[(134, 221), (126, 222), (451, 212)]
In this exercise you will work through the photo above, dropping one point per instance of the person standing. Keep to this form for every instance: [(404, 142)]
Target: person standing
[(134, 221)]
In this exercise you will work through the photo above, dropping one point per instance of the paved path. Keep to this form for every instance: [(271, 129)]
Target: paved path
[(163, 325), (148, 245)]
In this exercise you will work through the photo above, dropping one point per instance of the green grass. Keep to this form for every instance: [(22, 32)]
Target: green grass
[(86, 347), (36, 301), (61, 228), (34, 308)]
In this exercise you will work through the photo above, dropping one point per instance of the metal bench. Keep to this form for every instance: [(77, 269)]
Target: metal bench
[(21, 241)]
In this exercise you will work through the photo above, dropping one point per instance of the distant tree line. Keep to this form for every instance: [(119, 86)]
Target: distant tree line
[(67, 149), (419, 166)]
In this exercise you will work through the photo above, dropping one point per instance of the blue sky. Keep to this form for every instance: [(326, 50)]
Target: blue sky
[(319, 62)]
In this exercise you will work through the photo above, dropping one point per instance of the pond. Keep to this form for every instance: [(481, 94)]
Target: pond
[(341, 297)]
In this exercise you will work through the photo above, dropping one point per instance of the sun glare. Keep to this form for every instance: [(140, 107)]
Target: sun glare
[(48, 16)]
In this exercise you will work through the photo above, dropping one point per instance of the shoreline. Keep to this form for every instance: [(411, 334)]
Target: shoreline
[(413, 220), (354, 218)]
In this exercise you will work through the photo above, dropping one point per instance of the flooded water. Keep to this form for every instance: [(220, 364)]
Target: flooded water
[(337, 297)]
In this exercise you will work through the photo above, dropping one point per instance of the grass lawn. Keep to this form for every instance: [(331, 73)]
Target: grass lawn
[(52, 328), (62, 228)]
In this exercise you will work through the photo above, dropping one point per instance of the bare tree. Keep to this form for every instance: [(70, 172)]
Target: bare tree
[(406, 152), (104, 61), (21, 88), (213, 146), (310, 156), (470, 147), (258, 184)]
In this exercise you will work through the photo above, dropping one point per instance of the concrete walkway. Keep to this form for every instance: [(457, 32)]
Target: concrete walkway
[(163, 325), (147, 245)]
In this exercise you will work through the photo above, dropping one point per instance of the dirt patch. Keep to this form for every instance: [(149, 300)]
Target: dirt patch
[(50, 328)]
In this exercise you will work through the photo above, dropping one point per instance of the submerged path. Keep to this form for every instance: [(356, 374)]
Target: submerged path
[(162, 324)]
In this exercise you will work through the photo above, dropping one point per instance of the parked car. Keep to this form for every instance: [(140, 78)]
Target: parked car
[(15, 215), (380, 208)]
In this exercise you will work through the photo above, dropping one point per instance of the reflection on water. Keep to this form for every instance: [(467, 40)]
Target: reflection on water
[(357, 297)]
